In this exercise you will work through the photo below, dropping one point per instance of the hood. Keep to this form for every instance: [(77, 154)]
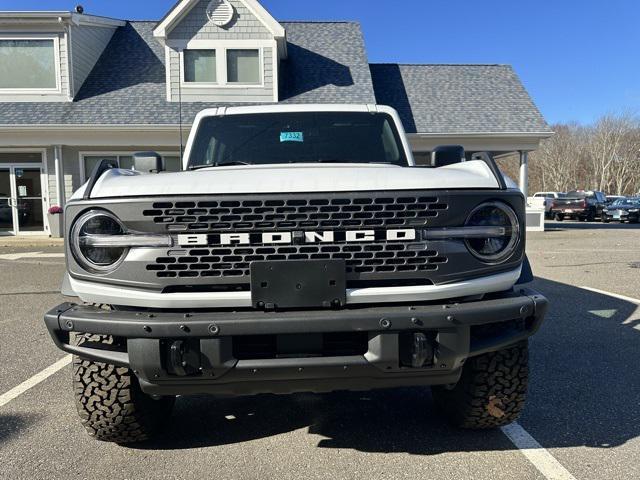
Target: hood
[(297, 178)]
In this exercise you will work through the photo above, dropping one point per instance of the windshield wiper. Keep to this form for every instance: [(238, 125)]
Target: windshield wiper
[(235, 162), (223, 164), (199, 167)]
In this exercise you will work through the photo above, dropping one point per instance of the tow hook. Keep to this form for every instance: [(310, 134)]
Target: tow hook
[(183, 358), (417, 350)]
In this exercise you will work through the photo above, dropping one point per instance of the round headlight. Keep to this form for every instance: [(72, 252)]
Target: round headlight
[(98, 259), (500, 245)]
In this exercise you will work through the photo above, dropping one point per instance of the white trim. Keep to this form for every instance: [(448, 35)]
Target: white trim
[(182, 68), (484, 134), (275, 72), (60, 16), (44, 186), (228, 84), (58, 73), (221, 48), (119, 153), (167, 62)]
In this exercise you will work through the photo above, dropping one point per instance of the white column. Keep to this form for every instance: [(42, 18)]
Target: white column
[(524, 173), (60, 187)]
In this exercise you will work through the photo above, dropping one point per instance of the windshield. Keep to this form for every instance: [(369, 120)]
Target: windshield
[(331, 137), (627, 202)]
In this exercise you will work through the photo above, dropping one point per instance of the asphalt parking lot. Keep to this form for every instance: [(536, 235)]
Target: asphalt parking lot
[(582, 419)]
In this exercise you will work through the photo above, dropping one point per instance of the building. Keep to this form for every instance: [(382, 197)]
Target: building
[(76, 88)]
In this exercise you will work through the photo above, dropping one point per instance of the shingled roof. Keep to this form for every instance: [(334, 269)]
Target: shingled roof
[(327, 63), (461, 99)]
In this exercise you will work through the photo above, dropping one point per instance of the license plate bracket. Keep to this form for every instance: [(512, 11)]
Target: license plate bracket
[(298, 284)]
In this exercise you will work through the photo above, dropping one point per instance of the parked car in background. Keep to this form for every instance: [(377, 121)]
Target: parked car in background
[(622, 210), (549, 198), (579, 204)]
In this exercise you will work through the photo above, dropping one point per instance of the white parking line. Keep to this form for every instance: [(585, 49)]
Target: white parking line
[(18, 256), (539, 457), (614, 295), (35, 380)]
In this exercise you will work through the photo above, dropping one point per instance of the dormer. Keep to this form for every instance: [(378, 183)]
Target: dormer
[(223, 51), (46, 56)]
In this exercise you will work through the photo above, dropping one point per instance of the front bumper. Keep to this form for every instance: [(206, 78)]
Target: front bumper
[(458, 331), (622, 216)]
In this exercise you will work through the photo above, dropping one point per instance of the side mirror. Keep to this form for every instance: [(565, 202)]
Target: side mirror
[(447, 155), (148, 162)]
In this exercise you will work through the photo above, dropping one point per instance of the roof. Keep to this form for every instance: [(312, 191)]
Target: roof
[(465, 99), (327, 64), (53, 16)]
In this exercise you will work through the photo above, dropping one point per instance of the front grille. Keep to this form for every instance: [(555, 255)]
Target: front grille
[(359, 258), (271, 213)]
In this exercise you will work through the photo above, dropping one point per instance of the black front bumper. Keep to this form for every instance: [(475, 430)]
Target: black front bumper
[(458, 331)]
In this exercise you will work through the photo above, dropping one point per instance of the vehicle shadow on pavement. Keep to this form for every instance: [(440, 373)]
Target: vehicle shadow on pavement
[(584, 390), (15, 424)]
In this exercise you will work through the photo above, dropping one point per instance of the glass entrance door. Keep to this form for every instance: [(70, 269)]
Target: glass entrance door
[(6, 202), (21, 205)]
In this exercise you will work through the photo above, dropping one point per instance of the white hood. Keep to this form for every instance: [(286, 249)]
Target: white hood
[(293, 178)]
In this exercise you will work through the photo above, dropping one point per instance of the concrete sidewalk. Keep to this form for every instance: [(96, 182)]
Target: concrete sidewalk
[(30, 241)]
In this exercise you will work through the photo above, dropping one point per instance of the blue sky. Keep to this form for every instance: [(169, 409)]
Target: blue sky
[(578, 59)]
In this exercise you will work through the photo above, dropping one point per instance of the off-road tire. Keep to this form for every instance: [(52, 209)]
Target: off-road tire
[(110, 402), (491, 392)]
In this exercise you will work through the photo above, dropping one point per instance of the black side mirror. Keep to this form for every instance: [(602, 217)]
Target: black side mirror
[(148, 162), (447, 155)]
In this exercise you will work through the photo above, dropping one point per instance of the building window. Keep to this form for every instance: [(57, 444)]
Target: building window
[(32, 63), (88, 162), (243, 66), (200, 66)]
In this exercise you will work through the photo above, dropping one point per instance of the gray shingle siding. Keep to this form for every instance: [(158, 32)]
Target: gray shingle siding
[(87, 44), (457, 98), (196, 25)]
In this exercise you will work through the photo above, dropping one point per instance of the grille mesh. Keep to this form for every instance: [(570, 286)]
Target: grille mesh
[(360, 258), (260, 214)]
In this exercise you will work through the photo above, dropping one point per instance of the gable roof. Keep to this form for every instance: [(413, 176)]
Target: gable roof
[(464, 99), (127, 85), (181, 8)]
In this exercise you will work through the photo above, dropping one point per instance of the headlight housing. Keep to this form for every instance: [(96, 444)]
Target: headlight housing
[(500, 245), (92, 257)]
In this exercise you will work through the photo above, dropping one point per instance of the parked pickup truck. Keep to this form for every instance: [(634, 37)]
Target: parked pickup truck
[(581, 205), (300, 250), (549, 198)]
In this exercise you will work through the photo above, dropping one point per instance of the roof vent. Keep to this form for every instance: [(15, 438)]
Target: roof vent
[(220, 12)]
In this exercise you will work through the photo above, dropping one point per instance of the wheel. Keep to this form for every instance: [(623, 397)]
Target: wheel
[(604, 220), (491, 392), (558, 217), (110, 402), (590, 217)]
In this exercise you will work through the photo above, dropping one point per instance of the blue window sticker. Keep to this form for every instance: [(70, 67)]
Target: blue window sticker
[(291, 137)]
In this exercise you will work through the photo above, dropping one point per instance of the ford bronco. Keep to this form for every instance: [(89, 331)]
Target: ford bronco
[(299, 250)]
